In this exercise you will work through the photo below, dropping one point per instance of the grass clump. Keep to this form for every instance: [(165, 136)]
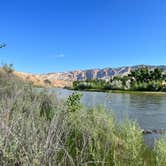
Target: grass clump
[(160, 152)]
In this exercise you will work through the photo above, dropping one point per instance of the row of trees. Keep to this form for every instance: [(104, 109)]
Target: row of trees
[(142, 79), (146, 75)]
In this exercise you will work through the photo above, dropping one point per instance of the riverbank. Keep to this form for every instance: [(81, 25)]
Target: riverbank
[(136, 92), (119, 91)]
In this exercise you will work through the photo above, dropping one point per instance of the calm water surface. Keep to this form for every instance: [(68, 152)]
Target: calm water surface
[(149, 110)]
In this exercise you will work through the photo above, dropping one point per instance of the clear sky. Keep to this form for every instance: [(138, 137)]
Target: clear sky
[(61, 35)]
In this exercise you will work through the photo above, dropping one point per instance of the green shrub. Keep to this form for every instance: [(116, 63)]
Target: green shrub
[(132, 146), (73, 102), (160, 152)]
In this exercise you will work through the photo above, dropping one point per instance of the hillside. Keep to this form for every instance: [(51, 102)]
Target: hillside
[(62, 79)]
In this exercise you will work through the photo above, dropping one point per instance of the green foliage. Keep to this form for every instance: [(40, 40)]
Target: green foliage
[(73, 102), (91, 84), (46, 107), (117, 78), (132, 149), (96, 139), (142, 79), (160, 152), (145, 75)]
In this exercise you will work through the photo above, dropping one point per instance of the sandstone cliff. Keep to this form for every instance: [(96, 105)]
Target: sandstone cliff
[(63, 79)]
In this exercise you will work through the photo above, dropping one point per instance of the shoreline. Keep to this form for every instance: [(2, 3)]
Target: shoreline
[(120, 91)]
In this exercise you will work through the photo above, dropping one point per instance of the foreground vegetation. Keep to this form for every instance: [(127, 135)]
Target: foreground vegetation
[(36, 128), (142, 79)]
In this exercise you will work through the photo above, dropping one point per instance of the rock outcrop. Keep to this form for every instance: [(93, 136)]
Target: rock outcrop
[(62, 79)]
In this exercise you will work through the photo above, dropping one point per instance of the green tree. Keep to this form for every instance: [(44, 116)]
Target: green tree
[(158, 73), (141, 74)]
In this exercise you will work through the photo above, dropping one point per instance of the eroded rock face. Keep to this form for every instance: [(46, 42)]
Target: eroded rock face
[(62, 79)]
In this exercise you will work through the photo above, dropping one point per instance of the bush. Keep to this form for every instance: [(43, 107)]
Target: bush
[(160, 152)]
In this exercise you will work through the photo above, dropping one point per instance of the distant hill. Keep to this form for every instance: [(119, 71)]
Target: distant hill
[(62, 79)]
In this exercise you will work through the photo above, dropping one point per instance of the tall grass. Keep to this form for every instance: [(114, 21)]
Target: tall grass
[(38, 129), (160, 152)]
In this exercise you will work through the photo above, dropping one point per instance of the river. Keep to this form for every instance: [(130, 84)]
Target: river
[(149, 110)]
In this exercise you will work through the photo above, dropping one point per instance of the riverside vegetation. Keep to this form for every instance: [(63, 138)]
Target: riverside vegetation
[(38, 129), (141, 79)]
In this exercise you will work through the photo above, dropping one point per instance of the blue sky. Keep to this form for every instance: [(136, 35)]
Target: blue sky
[(60, 35)]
